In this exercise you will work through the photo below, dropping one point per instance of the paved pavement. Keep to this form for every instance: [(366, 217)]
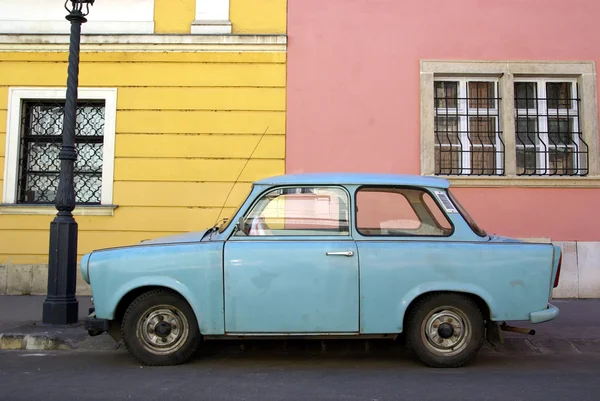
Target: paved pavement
[(90, 376)]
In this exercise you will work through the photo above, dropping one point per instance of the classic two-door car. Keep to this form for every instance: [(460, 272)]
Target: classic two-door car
[(330, 255)]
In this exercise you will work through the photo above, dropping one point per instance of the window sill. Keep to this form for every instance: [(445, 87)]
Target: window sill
[(211, 27), (523, 182), (46, 210)]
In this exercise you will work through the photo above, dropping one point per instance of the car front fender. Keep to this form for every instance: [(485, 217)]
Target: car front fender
[(106, 310)]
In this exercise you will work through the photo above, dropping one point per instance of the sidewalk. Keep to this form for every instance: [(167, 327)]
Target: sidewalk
[(21, 327), (17, 310), (576, 330)]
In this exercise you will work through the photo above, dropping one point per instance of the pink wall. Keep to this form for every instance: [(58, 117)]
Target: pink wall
[(353, 90)]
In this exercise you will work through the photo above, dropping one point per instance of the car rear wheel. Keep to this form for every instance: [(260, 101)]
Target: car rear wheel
[(445, 330), (160, 328)]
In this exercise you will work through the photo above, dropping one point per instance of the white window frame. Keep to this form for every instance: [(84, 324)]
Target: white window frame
[(583, 72), (464, 126), (105, 17), (212, 17), (543, 160), (16, 96)]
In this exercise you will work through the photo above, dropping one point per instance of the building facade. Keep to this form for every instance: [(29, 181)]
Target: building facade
[(498, 97), (175, 97)]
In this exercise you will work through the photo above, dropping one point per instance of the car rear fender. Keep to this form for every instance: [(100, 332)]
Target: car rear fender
[(431, 287)]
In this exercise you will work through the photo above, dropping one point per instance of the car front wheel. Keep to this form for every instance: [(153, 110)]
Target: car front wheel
[(445, 330), (160, 328)]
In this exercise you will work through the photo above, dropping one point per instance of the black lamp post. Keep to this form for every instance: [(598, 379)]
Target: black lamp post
[(61, 307)]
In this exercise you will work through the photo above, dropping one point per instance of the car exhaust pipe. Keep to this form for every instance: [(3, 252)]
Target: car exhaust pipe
[(521, 330)]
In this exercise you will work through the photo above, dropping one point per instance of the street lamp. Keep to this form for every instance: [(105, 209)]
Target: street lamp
[(61, 307)]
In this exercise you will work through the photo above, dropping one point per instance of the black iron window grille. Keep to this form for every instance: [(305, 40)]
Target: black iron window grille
[(40, 144), (468, 139), (548, 136)]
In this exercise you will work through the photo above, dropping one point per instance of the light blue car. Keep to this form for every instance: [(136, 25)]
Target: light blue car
[(325, 256)]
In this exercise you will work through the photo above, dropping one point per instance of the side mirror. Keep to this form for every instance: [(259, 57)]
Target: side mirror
[(241, 225)]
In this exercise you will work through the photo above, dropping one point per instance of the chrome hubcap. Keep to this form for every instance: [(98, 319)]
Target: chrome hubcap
[(162, 329), (446, 331)]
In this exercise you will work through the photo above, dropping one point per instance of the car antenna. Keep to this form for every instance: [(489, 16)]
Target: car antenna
[(238, 177)]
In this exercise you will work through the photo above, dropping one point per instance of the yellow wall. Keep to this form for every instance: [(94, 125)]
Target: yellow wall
[(247, 16), (258, 16), (186, 122), (174, 16)]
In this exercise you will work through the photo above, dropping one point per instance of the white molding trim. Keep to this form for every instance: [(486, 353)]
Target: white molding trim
[(13, 134), (145, 43), (105, 17), (63, 27), (212, 17)]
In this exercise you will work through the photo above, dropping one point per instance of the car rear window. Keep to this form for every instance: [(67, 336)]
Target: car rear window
[(478, 230)]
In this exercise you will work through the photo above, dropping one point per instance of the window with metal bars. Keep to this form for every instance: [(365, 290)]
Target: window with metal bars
[(40, 144), (548, 136), (468, 139)]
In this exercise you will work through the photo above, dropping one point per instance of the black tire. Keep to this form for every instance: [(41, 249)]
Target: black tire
[(453, 351), (170, 321)]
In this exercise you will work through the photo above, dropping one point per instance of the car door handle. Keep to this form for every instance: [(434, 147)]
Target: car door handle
[(349, 253)]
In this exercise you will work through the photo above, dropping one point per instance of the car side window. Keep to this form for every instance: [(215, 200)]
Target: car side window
[(390, 211), (299, 211)]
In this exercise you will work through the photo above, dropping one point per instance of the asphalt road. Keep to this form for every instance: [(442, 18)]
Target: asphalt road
[(115, 376)]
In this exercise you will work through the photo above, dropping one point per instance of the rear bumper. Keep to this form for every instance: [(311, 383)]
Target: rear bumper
[(551, 312), (95, 326)]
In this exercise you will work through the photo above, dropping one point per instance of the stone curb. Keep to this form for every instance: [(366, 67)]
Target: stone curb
[(34, 336), (33, 342)]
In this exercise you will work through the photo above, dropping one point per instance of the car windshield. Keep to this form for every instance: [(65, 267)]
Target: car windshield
[(467, 216)]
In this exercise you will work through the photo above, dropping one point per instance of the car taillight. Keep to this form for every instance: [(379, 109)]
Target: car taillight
[(558, 270)]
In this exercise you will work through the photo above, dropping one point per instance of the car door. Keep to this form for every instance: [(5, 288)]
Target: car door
[(293, 267), (402, 234)]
